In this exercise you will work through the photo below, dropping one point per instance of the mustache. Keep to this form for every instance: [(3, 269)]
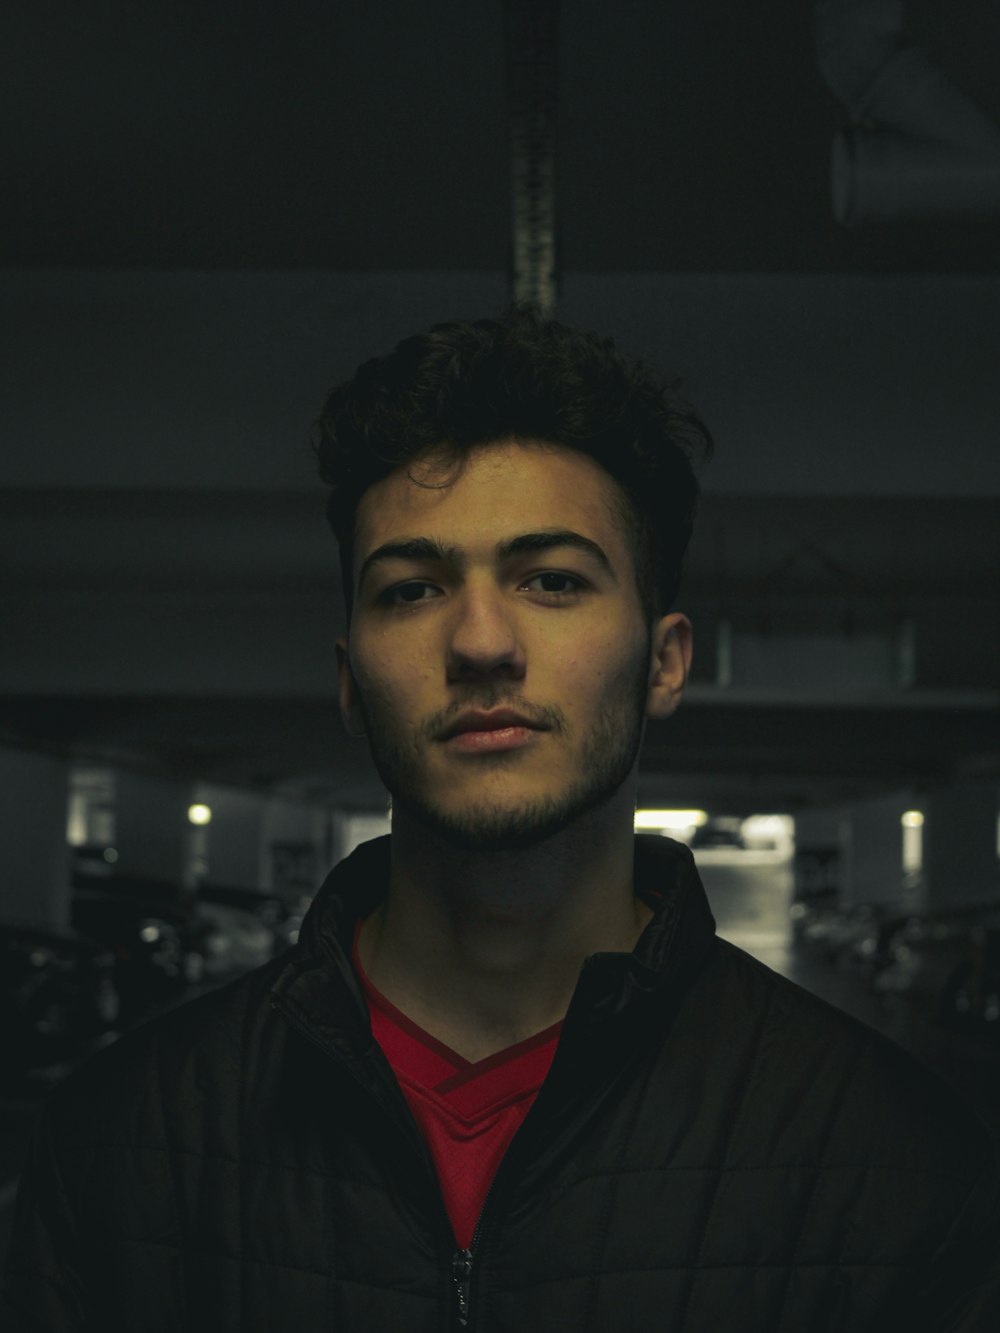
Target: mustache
[(489, 697)]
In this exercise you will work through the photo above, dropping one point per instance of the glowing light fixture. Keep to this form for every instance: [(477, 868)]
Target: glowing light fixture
[(670, 819), (200, 814), (913, 841)]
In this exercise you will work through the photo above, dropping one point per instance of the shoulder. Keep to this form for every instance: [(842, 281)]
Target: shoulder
[(835, 1084), (150, 1081)]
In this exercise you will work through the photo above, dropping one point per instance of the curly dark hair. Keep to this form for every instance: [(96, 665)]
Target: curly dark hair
[(521, 376)]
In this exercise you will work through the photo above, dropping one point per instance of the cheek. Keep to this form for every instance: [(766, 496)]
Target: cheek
[(372, 674), (618, 652), (390, 680), (626, 672), (601, 673)]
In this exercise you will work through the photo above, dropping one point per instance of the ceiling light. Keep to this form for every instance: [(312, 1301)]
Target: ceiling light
[(670, 819)]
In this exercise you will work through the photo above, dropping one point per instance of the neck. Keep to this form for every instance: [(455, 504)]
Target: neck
[(485, 951)]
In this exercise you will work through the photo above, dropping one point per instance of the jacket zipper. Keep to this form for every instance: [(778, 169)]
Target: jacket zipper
[(461, 1275), (463, 1260)]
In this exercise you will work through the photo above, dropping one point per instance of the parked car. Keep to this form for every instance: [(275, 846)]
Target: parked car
[(58, 1000), (166, 940), (842, 935), (151, 940), (280, 914), (721, 832), (970, 997), (949, 964), (231, 939)]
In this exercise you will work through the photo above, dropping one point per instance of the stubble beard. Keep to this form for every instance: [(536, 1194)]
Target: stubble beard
[(608, 756)]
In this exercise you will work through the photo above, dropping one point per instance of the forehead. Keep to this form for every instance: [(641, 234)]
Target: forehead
[(493, 493)]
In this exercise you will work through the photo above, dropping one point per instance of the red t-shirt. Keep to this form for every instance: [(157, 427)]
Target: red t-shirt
[(467, 1112)]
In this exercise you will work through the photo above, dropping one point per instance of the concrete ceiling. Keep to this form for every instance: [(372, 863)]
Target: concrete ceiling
[(372, 136), (213, 211)]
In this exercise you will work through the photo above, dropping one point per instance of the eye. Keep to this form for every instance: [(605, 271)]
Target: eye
[(407, 594), (553, 583)]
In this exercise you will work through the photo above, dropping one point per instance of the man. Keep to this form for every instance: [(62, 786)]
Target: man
[(508, 1079)]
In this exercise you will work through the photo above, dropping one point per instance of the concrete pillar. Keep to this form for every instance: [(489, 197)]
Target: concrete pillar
[(152, 836), (960, 863), (36, 857), (818, 865), (353, 827), (232, 840), (298, 846), (254, 840), (91, 821), (882, 848)]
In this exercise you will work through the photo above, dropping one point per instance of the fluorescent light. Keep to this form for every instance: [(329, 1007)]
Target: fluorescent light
[(670, 819), (200, 814)]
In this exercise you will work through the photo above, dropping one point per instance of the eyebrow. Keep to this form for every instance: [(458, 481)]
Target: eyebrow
[(526, 543)]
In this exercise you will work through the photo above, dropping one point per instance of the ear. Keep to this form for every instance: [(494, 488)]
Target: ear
[(669, 664), (347, 691)]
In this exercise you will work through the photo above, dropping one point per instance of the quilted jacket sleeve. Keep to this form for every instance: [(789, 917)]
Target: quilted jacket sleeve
[(960, 1291), (44, 1287)]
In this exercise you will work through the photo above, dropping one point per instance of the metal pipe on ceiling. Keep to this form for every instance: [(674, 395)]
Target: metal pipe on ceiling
[(531, 29), (917, 146)]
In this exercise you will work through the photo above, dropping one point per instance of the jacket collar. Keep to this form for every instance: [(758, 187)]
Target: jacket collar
[(318, 985)]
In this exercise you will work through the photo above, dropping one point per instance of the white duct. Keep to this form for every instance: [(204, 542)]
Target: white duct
[(917, 147)]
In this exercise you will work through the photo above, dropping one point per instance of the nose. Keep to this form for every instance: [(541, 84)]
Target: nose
[(483, 637)]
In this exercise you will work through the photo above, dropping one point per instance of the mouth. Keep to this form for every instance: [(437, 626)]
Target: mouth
[(489, 732), (490, 742), (497, 719)]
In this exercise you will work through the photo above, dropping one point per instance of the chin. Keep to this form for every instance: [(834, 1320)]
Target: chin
[(490, 829)]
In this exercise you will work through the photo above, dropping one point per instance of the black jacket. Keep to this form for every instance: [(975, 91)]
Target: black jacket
[(713, 1150)]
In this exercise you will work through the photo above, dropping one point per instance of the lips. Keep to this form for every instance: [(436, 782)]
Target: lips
[(499, 719)]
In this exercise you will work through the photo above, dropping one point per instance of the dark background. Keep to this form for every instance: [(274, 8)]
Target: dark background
[(213, 211)]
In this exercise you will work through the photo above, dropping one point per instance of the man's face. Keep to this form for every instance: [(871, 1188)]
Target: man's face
[(498, 658)]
